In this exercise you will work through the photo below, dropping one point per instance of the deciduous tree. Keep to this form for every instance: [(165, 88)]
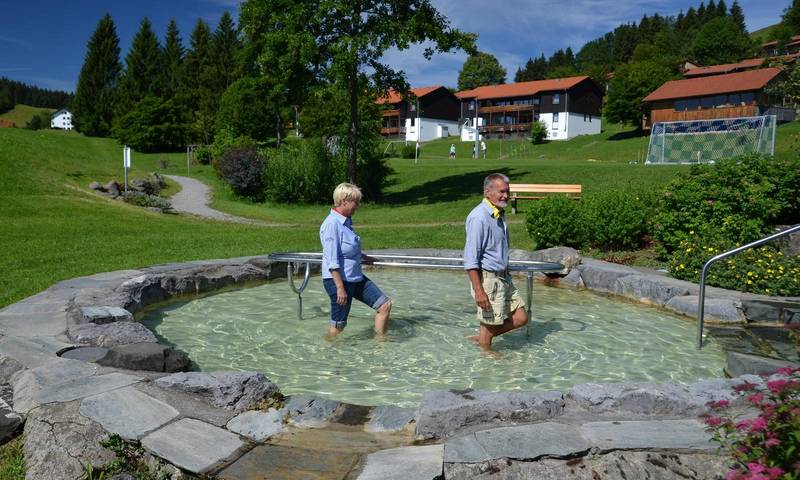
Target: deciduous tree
[(479, 70), (631, 83), (720, 41)]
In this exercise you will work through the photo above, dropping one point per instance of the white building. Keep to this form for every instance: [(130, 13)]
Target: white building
[(428, 114), (62, 119)]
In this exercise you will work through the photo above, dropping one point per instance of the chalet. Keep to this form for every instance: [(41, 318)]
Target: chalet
[(750, 64), (567, 106), (430, 114), (791, 47), (61, 119), (730, 95)]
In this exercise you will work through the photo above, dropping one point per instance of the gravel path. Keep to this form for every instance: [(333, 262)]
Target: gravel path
[(194, 197)]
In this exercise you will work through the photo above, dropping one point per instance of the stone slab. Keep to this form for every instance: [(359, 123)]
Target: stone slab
[(422, 463), (31, 308), (85, 354), (654, 434), (737, 364), (188, 404), (715, 310), (280, 462), (33, 324), (29, 384), (257, 425), (389, 418), (309, 411), (193, 445), (31, 352), (524, 442), (105, 314), (127, 412), (84, 387)]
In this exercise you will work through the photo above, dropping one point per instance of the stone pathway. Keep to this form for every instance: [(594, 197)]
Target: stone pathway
[(194, 197)]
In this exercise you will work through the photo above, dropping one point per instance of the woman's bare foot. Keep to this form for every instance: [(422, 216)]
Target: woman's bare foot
[(474, 339)]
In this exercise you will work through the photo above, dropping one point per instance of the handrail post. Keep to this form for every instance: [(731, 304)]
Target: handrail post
[(529, 283)]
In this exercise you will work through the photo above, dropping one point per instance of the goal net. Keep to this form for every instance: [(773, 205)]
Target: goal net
[(705, 141)]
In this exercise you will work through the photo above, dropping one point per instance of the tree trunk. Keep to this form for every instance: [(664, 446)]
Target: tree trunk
[(278, 126)]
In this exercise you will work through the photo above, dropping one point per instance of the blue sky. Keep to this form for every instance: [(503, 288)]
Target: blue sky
[(43, 42)]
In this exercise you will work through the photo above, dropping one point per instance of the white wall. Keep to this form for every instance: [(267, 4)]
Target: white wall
[(469, 135), (63, 121), (570, 125), (431, 129)]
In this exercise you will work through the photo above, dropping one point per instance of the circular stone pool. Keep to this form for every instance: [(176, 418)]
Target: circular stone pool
[(575, 337)]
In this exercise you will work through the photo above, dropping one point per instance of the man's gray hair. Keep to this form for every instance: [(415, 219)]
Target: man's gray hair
[(488, 182)]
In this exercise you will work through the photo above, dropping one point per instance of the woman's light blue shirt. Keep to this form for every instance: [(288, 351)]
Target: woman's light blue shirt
[(341, 247)]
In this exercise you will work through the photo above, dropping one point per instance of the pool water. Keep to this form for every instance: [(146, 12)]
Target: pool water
[(575, 337)]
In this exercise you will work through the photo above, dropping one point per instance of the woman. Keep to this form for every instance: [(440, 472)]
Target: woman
[(341, 264)]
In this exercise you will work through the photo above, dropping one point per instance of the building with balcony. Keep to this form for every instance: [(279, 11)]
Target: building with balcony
[(431, 113), (731, 95), (567, 106)]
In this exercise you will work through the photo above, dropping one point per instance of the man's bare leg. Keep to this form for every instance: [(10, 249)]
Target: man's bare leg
[(487, 332), (382, 318)]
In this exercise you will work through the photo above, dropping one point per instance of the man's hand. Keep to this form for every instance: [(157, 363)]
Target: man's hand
[(481, 299), (341, 295)]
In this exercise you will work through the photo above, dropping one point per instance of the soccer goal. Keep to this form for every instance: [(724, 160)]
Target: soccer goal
[(705, 141)]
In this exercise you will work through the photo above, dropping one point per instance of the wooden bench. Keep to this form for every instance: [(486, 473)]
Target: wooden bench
[(537, 191)]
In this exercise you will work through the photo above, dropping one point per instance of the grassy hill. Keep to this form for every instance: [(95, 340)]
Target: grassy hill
[(55, 228), (22, 114), (763, 33)]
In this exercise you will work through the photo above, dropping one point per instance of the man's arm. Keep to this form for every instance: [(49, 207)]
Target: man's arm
[(481, 298), (472, 254)]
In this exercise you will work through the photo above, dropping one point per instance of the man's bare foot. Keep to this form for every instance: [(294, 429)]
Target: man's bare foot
[(492, 353), (474, 339)]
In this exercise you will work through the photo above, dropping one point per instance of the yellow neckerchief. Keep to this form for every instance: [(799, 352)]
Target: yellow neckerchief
[(496, 212)]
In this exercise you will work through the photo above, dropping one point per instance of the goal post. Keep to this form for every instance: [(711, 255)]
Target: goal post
[(706, 141)]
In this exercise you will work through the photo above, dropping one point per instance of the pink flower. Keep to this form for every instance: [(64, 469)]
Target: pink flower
[(774, 472), (772, 442), (756, 398), (754, 467), (785, 371), (719, 404), (733, 475), (744, 387), (775, 386), (758, 424), (713, 421)]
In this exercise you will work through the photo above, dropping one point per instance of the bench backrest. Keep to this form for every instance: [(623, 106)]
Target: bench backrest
[(543, 188)]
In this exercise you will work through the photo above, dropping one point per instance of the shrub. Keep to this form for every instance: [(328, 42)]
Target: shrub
[(555, 221), (39, 121), (203, 155), (614, 219), (141, 199), (300, 172), (243, 169), (765, 446), (538, 132), (152, 125), (245, 110), (742, 197), (225, 140), (409, 150)]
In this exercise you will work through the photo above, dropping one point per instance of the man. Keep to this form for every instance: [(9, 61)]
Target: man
[(452, 151), (483, 149), (500, 307)]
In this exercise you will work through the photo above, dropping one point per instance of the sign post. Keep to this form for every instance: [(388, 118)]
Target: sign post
[(126, 163)]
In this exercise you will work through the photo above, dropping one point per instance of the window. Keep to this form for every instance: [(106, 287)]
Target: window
[(556, 98), (692, 104), (734, 99), (537, 101), (472, 105), (707, 102), (555, 119), (681, 105), (748, 98), (720, 101)]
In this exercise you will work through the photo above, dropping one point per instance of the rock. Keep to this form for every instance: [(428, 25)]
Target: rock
[(10, 421), (103, 315), (649, 289), (144, 185), (611, 466), (86, 354), (8, 367), (193, 445), (59, 442), (715, 310), (111, 334), (443, 413), (97, 186), (566, 256), (418, 463), (389, 418), (237, 391), (603, 276), (308, 411), (152, 357), (127, 412), (737, 364), (113, 188), (258, 425)]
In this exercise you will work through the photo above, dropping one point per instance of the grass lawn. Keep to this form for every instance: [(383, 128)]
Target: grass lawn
[(54, 227), (22, 114)]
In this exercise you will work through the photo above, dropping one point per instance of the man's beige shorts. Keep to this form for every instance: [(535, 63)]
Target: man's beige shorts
[(503, 297)]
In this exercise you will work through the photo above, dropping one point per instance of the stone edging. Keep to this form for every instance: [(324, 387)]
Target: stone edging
[(203, 436)]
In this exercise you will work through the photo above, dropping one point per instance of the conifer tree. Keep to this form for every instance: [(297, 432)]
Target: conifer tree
[(172, 60), (195, 79), (225, 53), (722, 8), (143, 69), (93, 106), (737, 15), (791, 17)]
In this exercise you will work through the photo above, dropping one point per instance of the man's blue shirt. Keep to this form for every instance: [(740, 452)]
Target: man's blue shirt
[(487, 242), (341, 247)]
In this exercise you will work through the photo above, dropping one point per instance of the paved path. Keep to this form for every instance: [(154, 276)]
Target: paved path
[(194, 197)]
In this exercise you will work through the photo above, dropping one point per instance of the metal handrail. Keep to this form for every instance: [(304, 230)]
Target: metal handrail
[(722, 256), (410, 261)]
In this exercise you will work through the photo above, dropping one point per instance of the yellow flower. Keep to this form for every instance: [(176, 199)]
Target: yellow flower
[(749, 282), (749, 274), (691, 232)]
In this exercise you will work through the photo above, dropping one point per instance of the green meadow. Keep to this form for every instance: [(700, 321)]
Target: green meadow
[(22, 114), (54, 227)]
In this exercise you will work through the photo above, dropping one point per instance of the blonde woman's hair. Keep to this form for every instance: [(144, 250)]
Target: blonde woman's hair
[(344, 192)]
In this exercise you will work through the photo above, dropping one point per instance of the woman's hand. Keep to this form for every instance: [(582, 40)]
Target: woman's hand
[(341, 295)]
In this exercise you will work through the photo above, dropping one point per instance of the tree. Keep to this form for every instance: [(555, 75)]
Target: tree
[(479, 70), (631, 83), (153, 124), (196, 73), (224, 55), (789, 87), (143, 69), (172, 60), (737, 15), (720, 41), (245, 110), (93, 106), (534, 70), (791, 17)]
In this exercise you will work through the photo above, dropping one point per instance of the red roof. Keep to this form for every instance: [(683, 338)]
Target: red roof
[(792, 41), (520, 89), (724, 68), (717, 84), (394, 97)]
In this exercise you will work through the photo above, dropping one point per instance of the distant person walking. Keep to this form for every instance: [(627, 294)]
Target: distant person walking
[(452, 151), (341, 264), (500, 307), (483, 149), (474, 151)]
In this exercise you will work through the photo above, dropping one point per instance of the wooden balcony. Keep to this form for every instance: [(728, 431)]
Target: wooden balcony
[(671, 115), (506, 128), (506, 108), (389, 131), (391, 113)]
